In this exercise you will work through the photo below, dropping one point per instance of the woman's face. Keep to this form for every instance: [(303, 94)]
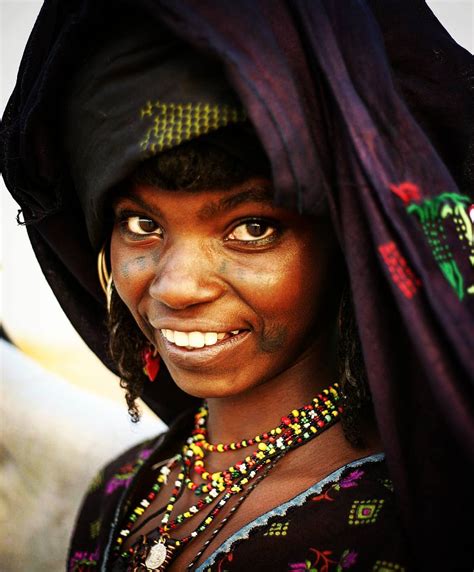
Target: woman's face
[(232, 290)]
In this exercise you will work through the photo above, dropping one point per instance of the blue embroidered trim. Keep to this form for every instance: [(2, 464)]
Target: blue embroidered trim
[(244, 532)]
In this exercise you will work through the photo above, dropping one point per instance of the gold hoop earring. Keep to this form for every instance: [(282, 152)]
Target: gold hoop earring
[(105, 277)]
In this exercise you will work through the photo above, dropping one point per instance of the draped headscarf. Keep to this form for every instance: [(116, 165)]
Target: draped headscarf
[(367, 104)]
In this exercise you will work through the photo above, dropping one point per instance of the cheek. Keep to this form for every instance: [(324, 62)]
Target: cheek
[(293, 292), (131, 273)]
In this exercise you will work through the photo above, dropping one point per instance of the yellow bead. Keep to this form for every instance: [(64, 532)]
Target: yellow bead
[(262, 447), (220, 448), (295, 412)]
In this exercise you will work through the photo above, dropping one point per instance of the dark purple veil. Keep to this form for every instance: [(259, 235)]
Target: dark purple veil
[(367, 103)]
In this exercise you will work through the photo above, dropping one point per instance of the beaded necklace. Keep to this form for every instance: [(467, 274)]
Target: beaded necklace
[(295, 429)]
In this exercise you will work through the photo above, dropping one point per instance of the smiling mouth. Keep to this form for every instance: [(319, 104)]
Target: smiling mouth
[(197, 340)]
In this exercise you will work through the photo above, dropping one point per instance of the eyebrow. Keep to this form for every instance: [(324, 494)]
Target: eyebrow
[(212, 209), (155, 211), (225, 204)]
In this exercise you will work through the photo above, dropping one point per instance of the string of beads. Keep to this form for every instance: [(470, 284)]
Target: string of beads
[(295, 429)]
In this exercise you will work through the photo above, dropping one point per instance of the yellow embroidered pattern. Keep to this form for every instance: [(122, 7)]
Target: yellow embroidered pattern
[(94, 528), (170, 124)]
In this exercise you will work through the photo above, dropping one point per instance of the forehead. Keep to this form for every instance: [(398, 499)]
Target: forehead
[(209, 202)]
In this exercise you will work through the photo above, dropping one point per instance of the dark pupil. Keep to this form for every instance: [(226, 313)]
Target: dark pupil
[(256, 229), (146, 225)]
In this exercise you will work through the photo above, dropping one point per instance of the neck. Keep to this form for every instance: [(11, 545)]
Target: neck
[(248, 414)]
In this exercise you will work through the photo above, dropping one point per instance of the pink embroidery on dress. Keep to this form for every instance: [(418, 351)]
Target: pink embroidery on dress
[(81, 560), (398, 267)]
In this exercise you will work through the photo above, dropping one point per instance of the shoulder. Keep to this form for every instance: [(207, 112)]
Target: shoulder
[(109, 492), (101, 500)]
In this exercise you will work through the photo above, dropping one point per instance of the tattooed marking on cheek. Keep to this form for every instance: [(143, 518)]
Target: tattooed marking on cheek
[(241, 274), (155, 256), (140, 261), (124, 269), (222, 267), (273, 339)]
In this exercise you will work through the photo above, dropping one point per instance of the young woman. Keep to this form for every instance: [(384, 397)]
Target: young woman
[(240, 184)]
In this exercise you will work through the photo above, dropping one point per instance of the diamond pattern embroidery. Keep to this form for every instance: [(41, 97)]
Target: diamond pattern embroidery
[(365, 511)]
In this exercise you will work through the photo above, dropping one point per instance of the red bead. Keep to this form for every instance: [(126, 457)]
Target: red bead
[(320, 423), (265, 435), (285, 420)]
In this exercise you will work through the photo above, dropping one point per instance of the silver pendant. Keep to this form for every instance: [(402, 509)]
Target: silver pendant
[(156, 556)]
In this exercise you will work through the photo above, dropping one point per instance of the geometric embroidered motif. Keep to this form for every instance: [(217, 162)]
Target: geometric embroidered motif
[(365, 511), (169, 124), (401, 273), (94, 528), (388, 484), (278, 529), (384, 566)]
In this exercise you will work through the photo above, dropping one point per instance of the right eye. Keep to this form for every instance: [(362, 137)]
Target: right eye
[(141, 225)]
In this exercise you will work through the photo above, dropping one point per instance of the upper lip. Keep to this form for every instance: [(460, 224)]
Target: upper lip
[(190, 326)]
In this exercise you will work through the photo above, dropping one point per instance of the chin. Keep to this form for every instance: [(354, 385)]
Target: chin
[(205, 388)]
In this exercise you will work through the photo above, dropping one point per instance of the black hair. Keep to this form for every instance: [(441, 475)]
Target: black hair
[(195, 166)]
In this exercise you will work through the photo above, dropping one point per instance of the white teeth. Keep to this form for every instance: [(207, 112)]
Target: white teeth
[(181, 339), (196, 340), (192, 340), (210, 338)]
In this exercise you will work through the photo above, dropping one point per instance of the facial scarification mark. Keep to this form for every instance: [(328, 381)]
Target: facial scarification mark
[(273, 339)]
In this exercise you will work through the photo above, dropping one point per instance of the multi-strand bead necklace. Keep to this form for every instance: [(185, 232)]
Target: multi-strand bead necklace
[(297, 428)]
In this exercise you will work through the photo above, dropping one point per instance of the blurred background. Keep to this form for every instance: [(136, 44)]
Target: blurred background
[(62, 413)]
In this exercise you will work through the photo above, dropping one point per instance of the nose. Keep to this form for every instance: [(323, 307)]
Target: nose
[(185, 276)]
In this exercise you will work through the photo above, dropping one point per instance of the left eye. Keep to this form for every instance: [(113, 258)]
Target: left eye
[(141, 225), (252, 231)]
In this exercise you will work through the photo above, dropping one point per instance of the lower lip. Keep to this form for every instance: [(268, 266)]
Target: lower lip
[(205, 356)]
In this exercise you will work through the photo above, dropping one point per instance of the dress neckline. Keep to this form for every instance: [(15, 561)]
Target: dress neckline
[(280, 510)]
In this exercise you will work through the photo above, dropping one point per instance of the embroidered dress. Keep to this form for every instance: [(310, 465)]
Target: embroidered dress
[(348, 520)]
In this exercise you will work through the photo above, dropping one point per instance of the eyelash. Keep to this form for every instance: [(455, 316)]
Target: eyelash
[(123, 220)]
